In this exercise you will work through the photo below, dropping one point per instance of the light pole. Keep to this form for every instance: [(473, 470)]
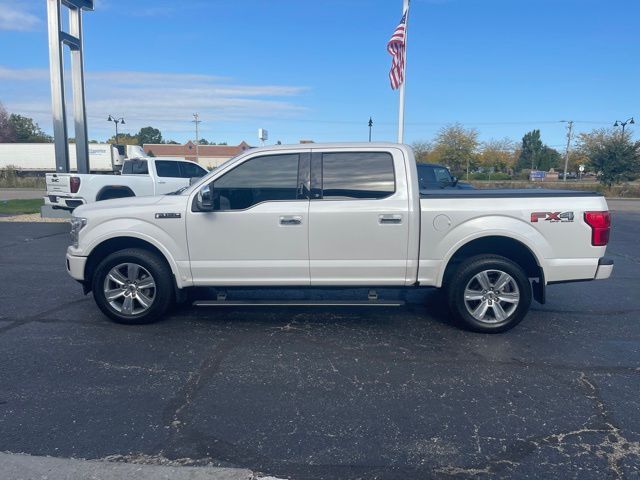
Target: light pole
[(197, 121), (618, 123), (569, 137), (116, 121), (370, 127)]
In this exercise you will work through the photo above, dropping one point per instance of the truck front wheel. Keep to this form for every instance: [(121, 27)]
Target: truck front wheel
[(133, 286), (489, 293)]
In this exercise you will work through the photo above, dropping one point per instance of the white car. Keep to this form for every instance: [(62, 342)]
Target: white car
[(140, 177), (337, 215)]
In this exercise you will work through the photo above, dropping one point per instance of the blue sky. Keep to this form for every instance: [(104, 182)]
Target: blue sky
[(318, 70)]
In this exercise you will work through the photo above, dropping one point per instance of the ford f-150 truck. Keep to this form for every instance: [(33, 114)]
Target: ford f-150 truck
[(337, 215), (140, 177)]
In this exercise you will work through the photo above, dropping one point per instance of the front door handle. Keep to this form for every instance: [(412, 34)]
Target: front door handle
[(389, 219), (291, 220)]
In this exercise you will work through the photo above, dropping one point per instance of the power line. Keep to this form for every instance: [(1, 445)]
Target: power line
[(439, 123)]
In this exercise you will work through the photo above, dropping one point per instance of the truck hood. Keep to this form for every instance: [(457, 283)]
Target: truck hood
[(128, 203)]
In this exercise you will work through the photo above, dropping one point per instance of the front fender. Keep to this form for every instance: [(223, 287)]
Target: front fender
[(172, 246)]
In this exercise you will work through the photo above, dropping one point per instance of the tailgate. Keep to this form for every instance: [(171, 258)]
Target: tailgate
[(58, 183)]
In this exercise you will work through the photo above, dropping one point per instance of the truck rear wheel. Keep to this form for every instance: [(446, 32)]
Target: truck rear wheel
[(133, 286), (489, 293)]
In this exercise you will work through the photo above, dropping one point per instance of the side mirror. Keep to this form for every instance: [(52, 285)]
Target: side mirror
[(454, 181), (204, 198), (193, 180)]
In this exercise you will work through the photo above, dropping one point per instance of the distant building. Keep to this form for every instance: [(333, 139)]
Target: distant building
[(210, 155)]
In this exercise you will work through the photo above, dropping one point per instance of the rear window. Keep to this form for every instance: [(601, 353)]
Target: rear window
[(135, 167), (167, 168), (358, 175), (191, 170)]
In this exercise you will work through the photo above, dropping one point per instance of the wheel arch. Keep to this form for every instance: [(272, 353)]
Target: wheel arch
[(502, 245), (115, 188), (114, 244)]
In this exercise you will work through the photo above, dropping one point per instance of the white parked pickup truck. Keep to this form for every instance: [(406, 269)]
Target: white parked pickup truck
[(140, 177), (337, 215)]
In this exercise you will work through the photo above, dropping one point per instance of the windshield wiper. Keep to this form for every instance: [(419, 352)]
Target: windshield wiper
[(179, 191)]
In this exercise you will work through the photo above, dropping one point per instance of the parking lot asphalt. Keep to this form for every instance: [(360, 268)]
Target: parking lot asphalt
[(332, 393)]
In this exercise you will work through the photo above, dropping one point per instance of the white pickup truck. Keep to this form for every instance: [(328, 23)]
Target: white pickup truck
[(337, 215), (140, 177)]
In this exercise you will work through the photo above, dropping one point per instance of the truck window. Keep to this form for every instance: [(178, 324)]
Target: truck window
[(191, 170), (362, 175), (261, 179), (167, 168), (135, 167), (442, 175)]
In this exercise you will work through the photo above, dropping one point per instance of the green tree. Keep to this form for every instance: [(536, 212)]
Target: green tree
[(456, 147), (26, 130), (124, 139), (7, 134), (203, 141), (530, 151), (613, 155), (549, 158), (149, 135), (172, 142)]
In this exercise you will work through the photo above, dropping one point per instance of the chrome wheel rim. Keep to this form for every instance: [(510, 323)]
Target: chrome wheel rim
[(491, 296), (129, 288)]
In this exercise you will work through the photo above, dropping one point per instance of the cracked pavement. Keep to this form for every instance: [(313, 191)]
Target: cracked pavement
[(332, 393)]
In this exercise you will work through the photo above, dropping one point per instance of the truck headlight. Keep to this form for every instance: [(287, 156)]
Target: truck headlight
[(77, 223)]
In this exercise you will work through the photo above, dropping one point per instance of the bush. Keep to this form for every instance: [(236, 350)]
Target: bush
[(10, 178), (487, 176)]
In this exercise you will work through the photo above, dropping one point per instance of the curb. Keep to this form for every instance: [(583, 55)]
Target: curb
[(28, 467)]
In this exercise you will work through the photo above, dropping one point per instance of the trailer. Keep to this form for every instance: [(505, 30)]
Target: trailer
[(35, 159)]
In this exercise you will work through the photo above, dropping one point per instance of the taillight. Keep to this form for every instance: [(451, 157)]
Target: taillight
[(600, 223), (74, 183)]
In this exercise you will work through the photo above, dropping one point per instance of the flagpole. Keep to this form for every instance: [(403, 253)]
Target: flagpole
[(405, 8)]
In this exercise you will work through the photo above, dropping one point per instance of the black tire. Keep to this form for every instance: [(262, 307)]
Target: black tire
[(465, 275), (163, 293)]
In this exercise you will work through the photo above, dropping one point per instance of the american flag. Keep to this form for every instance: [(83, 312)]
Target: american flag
[(396, 47)]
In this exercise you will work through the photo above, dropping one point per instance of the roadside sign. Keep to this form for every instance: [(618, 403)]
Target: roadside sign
[(537, 175), (581, 168)]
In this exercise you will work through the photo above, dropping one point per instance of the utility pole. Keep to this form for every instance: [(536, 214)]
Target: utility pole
[(569, 138), (197, 121), (370, 126)]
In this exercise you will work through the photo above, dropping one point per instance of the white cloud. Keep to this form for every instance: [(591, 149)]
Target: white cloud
[(12, 18), (23, 74), (164, 100)]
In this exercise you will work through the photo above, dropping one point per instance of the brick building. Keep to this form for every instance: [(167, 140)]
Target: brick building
[(210, 155)]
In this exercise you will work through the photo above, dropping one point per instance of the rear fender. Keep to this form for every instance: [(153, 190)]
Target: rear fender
[(490, 226)]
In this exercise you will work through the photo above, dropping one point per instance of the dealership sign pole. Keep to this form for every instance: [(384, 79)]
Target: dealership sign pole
[(73, 39)]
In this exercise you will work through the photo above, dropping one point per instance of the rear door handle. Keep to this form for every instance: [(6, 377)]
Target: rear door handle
[(390, 219), (291, 220)]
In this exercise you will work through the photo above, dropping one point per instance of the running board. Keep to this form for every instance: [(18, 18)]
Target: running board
[(298, 303)]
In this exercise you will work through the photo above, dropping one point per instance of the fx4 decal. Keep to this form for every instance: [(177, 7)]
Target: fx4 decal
[(552, 216)]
